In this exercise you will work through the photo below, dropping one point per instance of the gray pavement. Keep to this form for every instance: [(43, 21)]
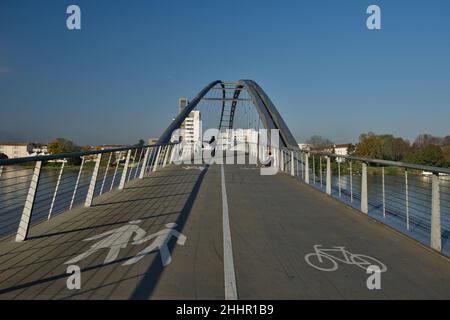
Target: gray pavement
[(275, 221)]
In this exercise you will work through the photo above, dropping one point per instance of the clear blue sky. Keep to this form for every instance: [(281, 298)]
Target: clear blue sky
[(119, 78)]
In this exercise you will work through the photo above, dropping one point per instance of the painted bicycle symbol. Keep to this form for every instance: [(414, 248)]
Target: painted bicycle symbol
[(327, 259)]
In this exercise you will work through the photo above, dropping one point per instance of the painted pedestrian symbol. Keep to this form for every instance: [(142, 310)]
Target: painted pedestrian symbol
[(118, 239), (160, 243), (114, 240)]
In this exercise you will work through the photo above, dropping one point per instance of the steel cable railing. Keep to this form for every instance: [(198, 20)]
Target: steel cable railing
[(411, 198), (35, 189)]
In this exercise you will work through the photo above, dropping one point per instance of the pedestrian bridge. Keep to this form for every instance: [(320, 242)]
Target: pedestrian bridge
[(152, 229)]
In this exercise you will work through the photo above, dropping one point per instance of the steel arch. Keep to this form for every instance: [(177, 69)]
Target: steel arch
[(267, 111)]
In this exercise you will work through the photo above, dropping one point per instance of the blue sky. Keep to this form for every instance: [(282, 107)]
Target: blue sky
[(119, 78)]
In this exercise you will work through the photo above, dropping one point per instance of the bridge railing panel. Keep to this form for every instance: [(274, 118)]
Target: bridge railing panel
[(36, 189), (412, 199)]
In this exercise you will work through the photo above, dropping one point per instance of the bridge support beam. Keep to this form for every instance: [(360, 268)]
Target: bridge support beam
[(435, 213), (22, 231), (364, 200), (90, 194), (123, 178), (328, 182)]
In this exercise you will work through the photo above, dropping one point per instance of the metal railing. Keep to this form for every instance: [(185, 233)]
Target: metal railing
[(413, 199), (34, 189)]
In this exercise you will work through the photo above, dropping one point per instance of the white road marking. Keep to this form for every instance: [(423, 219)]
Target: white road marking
[(228, 264)]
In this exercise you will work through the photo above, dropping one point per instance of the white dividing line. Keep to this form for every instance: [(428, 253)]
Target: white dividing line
[(228, 264)]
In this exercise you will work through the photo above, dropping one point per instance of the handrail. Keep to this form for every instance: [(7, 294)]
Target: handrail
[(6, 162), (381, 162), (138, 161)]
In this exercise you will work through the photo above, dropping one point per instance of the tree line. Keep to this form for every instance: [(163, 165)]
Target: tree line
[(426, 149)]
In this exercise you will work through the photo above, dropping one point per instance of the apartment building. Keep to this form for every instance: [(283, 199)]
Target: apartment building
[(16, 149)]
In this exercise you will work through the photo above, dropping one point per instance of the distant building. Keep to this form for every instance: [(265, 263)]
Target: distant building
[(39, 149), (16, 149), (152, 141), (191, 128), (182, 103), (304, 146)]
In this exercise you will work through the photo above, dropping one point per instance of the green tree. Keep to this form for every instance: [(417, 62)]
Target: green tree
[(140, 143), (61, 145), (429, 155), (384, 146), (3, 156), (370, 145), (446, 151), (395, 149), (319, 142)]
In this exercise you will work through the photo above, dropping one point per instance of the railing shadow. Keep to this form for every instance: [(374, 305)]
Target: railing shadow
[(27, 257), (151, 277)]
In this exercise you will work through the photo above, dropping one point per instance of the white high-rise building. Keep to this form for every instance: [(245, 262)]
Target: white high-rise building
[(191, 128)]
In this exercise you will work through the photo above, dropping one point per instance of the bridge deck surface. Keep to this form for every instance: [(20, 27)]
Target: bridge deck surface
[(274, 221)]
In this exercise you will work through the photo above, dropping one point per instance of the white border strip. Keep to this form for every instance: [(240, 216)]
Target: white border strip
[(228, 264)]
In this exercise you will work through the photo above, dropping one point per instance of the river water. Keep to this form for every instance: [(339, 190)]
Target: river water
[(15, 181)]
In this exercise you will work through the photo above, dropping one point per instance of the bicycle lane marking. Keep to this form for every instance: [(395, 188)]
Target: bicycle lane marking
[(228, 263), (350, 259)]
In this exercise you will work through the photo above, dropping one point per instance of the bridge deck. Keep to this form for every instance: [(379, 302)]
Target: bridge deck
[(274, 221)]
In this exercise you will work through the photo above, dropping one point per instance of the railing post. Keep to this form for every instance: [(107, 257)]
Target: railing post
[(123, 178), (144, 163), (292, 164), (22, 231), (328, 186), (314, 169), (384, 192), (155, 166), (435, 213), (307, 168), (407, 199), (76, 183), (90, 194), (132, 165), (339, 176), (106, 173), (137, 165), (302, 165), (321, 172), (351, 181), (56, 191), (151, 160), (364, 200)]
